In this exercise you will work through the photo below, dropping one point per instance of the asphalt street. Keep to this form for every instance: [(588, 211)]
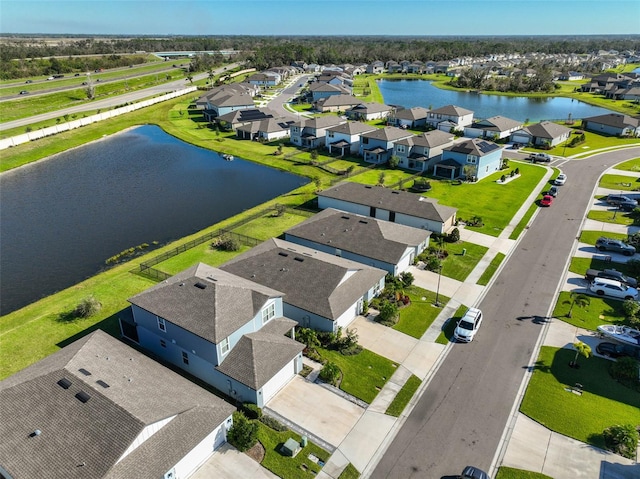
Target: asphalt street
[(460, 418)]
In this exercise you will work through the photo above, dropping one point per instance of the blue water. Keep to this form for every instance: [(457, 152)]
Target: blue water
[(410, 93)]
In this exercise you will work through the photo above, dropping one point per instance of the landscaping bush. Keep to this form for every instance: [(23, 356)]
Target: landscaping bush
[(330, 373), (502, 179), (244, 433), (631, 310), (433, 263), (273, 423), (252, 411), (454, 236), (622, 439), (365, 307), (375, 303), (388, 313), (407, 279), (226, 243), (347, 344), (308, 336), (625, 368), (87, 307)]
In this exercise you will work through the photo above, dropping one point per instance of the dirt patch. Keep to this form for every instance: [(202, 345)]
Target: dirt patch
[(256, 452)]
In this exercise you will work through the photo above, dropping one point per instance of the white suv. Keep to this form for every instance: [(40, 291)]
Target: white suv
[(613, 288), (468, 325)]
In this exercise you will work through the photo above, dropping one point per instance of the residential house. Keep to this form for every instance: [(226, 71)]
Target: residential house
[(454, 117), (269, 129), (382, 244), (224, 329), (416, 67), (402, 207), (375, 67), (409, 117), (473, 158), (265, 79), (98, 408), (369, 111), (494, 128), (225, 103), (543, 134), (377, 146), (232, 120), (336, 103), (344, 139), (421, 152), (613, 124), (311, 133), (322, 291), (571, 76), (322, 90)]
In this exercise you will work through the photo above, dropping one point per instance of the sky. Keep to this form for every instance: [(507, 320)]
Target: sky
[(321, 17)]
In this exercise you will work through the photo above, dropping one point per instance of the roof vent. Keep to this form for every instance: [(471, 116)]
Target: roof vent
[(84, 371), (368, 187), (102, 383), (344, 217), (82, 397), (35, 433), (200, 285), (298, 258), (281, 253), (363, 222), (181, 284), (395, 192), (64, 383)]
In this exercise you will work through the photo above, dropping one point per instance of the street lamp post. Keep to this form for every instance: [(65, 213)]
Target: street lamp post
[(437, 302)]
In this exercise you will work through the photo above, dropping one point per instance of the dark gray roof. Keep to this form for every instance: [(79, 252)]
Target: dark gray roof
[(388, 133), (547, 129), (258, 356), (352, 128), (369, 237), (616, 120), (474, 146), (371, 107), (339, 100), (320, 122), (313, 281), (393, 200), (206, 301), (126, 392), (247, 115), (429, 139), (414, 113), (497, 123), (451, 110), (269, 125)]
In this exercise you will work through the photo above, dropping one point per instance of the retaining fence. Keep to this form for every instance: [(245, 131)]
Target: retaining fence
[(71, 125)]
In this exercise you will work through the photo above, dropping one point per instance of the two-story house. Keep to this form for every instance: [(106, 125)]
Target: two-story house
[(344, 139), (494, 128), (447, 117), (311, 133), (369, 111), (421, 152), (473, 158), (377, 146), (322, 90), (322, 291), (375, 67), (336, 103), (224, 329), (409, 117), (265, 79)]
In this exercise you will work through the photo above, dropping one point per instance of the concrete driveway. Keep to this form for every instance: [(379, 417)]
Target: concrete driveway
[(383, 340), (229, 463)]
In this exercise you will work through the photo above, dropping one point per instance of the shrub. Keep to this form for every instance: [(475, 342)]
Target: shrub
[(226, 243), (454, 236), (433, 263), (308, 337), (407, 279), (279, 209), (330, 373), (244, 433), (252, 411), (517, 171), (502, 179), (631, 309), (347, 344), (625, 368), (273, 423), (622, 439), (87, 307), (394, 161), (388, 312), (365, 307)]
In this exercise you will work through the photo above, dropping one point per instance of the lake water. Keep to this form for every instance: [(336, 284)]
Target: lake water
[(410, 93), (61, 218)]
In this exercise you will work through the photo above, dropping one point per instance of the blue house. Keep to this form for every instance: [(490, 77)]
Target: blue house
[(226, 330), (471, 158)]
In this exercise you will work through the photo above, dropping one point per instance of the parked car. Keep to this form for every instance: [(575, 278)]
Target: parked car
[(560, 180), (471, 472), (516, 146), (610, 244), (620, 199), (29, 81), (613, 288), (613, 350), (24, 92), (539, 158), (547, 200), (628, 205), (611, 274), (553, 191), (468, 325)]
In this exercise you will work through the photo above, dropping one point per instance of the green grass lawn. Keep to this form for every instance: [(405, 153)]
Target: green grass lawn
[(614, 217), (590, 237), (404, 396), (299, 467), (344, 164), (446, 336), (372, 177), (581, 265), (416, 318), (619, 182), (364, 374), (598, 311), (604, 402), (524, 221), (457, 265), (203, 253), (593, 141), (630, 165), (350, 472), (270, 226), (491, 269), (512, 473)]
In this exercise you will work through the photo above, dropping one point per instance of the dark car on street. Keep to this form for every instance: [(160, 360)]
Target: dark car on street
[(471, 472), (613, 350), (618, 276)]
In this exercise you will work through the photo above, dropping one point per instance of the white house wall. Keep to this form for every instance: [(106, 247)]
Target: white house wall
[(199, 454), (145, 434), (280, 379)]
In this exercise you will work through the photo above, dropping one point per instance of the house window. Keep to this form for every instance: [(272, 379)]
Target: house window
[(185, 358), (330, 134), (365, 141), (472, 159), (163, 343), (400, 148), (161, 326), (269, 313), (224, 346)]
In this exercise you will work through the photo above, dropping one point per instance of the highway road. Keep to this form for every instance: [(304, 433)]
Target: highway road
[(462, 414)]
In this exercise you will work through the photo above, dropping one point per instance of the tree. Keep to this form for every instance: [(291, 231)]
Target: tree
[(211, 76), (87, 307), (189, 77), (622, 439), (381, 178), (577, 299), (244, 433), (394, 161), (388, 311), (407, 279), (330, 373), (318, 182), (582, 349)]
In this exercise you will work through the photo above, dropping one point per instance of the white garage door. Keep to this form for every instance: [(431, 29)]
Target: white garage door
[(278, 381)]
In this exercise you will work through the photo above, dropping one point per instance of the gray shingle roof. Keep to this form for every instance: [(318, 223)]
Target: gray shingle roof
[(429, 139), (369, 237), (451, 110), (474, 146), (388, 133), (207, 301), (139, 392), (311, 280), (497, 123), (414, 113), (339, 100), (393, 200), (371, 107), (547, 129), (614, 119), (352, 128), (320, 122)]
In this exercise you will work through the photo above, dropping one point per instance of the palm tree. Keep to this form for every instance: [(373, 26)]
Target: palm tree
[(582, 349), (577, 299)]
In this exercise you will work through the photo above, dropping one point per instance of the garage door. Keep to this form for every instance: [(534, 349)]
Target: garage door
[(278, 381)]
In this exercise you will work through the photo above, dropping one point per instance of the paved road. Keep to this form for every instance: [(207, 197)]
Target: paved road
[(460, 418), (277, 103)]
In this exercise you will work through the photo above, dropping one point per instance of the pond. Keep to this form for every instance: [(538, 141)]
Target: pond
[(410, 93), (62, 217)]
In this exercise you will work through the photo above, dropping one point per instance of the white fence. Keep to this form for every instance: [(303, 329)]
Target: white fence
[(70, 125)]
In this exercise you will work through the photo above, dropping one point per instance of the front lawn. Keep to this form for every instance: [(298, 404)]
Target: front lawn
[(590, 237), (458, 265), (593, 141), (598, 311), (290, 467), (363, 374), (391, 177), (630, 165), (619, 182), (270, 225), (404, 396), (615, 217), (491, 269), (446, 336), (603, 403), (416, 318), (581, 265), (512, 473), (203, 253)]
